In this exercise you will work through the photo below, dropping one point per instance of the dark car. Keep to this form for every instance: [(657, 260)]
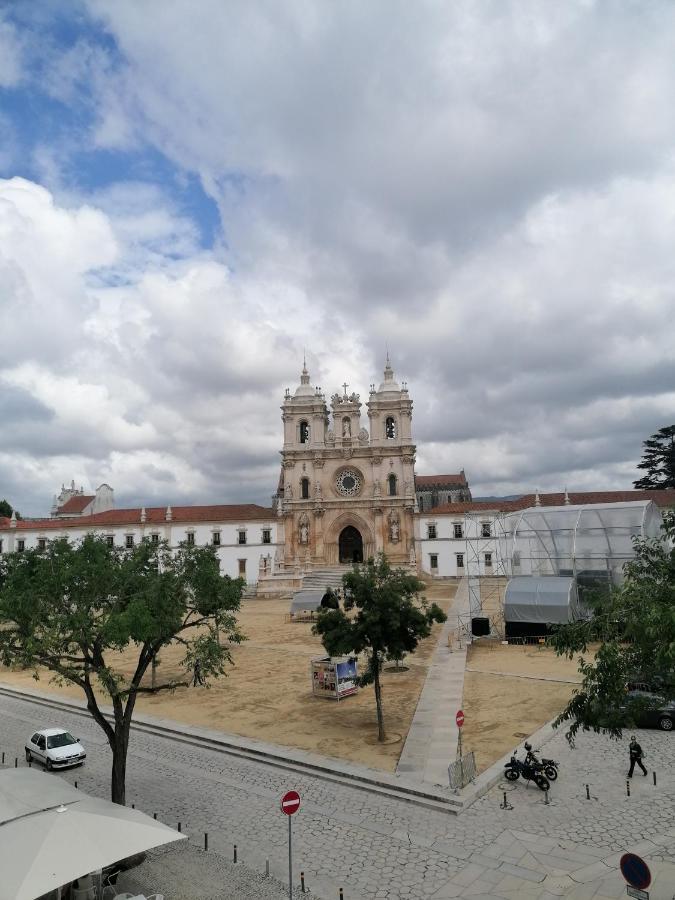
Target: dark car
[(648, 710)]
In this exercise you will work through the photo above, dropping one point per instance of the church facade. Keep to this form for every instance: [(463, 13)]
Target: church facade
[(347, 485)]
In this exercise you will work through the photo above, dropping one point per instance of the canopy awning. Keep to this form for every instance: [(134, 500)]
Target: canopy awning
[(550, 600), (51, 833), (307, 600)]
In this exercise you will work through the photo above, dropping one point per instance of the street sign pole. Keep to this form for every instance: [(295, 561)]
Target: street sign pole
[(290, 804), (290, 859), (459, 719)]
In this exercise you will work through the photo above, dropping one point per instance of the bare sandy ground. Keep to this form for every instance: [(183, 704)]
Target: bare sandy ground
[(503, 709), (267, 694)]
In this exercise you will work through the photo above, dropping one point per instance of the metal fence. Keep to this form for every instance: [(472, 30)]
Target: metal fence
[(462, 771)]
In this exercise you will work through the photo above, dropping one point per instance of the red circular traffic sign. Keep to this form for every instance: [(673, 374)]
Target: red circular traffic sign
[(290, 803), (635, 870), (459, 718)]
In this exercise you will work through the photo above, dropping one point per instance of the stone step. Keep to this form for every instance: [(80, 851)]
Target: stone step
[(323, 578)]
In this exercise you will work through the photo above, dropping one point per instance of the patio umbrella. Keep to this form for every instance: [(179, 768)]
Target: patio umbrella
[(51, 834)]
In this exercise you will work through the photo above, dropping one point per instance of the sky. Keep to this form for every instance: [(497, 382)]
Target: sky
[(193, 196)]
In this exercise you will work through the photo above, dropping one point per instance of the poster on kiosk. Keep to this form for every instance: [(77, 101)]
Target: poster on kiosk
[(334, 678)]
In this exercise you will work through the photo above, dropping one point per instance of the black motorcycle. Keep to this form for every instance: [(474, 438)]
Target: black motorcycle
[(548, 767), (516, 769)]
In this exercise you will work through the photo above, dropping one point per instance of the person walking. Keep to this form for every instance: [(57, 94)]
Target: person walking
[(197, 679), (635, 752)]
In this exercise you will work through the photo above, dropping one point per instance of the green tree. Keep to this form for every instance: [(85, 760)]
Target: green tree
[(633, 628), (658, 460), (74, 607), (390, 620), (6, 509)]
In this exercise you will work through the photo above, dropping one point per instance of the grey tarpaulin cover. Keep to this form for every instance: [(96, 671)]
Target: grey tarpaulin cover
[(551, 599), (307, 600)]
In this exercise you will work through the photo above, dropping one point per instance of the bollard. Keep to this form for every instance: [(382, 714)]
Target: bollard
[(154, 816), (234, 854), (628, 788), (206, 840), (302, 882), (179, 829), (3, 757), (16, 762), (546, 800), (267, 868), (505, 804), (342, 896), (133, 806), (75, 785), (588, 793), (654, 776)]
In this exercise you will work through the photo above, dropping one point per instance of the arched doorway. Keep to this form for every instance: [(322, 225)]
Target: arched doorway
[(350, 545)]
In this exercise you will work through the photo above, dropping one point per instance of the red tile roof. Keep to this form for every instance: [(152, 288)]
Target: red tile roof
[(663, 498), (440, 480), (154, 515), (76, 504)]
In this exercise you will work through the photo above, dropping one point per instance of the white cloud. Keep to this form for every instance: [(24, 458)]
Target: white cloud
[(488, 189)]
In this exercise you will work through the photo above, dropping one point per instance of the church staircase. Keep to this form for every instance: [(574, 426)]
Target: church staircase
[(320, 579)]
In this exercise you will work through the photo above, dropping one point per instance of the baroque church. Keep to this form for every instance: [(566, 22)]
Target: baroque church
[(347, 488)]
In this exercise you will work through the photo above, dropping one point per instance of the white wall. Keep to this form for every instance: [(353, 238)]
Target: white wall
[(230, 550), (446, 547)]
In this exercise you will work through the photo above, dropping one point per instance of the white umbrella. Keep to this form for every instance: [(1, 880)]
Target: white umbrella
[(51, 834)]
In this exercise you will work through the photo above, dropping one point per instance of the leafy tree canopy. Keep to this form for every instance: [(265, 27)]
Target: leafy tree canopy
[(658, 461), (634, 628), (73, 607), (389, 621), (6, 509)]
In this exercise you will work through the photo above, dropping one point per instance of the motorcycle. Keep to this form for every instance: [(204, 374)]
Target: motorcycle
[(516, 769), (549, 767)]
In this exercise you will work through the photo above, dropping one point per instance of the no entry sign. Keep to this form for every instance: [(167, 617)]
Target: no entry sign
[(459, 718), (290, 803), (635, 870)]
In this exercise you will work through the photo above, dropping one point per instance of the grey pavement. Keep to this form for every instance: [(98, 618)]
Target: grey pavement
[(431, 744), (377, 846)]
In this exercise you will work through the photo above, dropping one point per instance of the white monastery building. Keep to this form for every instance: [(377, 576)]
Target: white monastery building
[(348, 490)]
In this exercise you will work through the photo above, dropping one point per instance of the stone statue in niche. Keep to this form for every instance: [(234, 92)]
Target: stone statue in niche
[(346, 428), (394, 529), (377, 490), (363, 436), (330, 436), (288, 491), (317, 490), (303, 531)]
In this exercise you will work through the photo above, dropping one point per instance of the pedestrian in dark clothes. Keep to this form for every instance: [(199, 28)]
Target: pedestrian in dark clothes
[(197, 679), (635, 751)]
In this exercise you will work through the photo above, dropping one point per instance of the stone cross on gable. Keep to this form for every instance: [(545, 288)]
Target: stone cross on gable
[(345, 386)]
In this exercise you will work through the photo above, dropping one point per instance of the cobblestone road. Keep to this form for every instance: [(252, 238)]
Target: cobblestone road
[(374, 846)]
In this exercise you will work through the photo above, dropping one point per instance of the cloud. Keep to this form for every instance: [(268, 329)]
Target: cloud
[(486, 189)]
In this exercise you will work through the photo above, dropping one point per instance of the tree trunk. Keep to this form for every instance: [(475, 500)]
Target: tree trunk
[(120, 744), (378, 698)]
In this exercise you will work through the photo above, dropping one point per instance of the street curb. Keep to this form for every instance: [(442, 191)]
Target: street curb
[(327, 768)]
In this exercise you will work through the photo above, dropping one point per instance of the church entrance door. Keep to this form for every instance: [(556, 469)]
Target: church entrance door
[(351, 545)]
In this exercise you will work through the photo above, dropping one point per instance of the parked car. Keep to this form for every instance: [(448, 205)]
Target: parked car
[(55, 749), (651, 711)]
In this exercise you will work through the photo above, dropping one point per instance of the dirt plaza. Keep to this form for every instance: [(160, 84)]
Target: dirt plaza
[(509, 691)]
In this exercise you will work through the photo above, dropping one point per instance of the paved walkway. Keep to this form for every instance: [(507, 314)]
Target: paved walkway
[(431, 744)]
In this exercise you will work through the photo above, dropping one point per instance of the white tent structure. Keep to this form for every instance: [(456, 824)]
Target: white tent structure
[(591, 540), (52, 834), (531, 604), (307, 600)]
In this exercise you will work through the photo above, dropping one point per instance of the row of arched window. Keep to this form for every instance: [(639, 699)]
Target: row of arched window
[(389, 429)]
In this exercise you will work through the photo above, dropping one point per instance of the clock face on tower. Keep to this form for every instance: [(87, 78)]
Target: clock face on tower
[(348, 482)]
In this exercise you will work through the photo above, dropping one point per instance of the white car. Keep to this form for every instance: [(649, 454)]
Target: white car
[(55, 749)]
